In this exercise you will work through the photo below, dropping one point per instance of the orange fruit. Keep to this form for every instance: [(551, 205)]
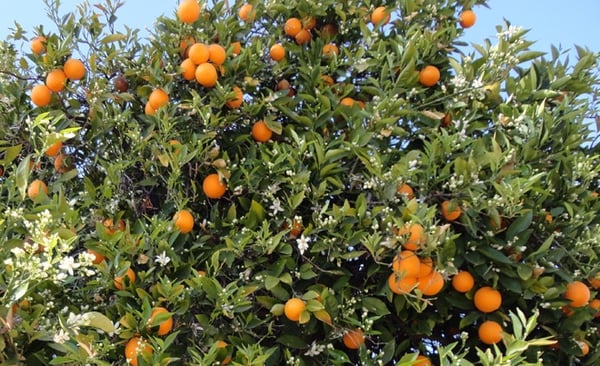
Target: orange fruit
[(429, 76), (487, 299), (467, 18), (426, 267), (136, 346), (188, 11), (149, 110), (118, 280), (463, 281), (277, 52), (247, 13), (446, 120), (183, 221), (60, 165), (348, 102), (293, 308), (111, 228), (353, 339), (584, 347), (35, 188), (329, 30), (237, 101), (261, 132), (422, 361), (165, 326), (292, 27), (327, 80), (595, 281), (431, 284), (98, 258), (74, 69), (158, 98), (55, 80), (236, 48), (578, 293), (330, 49), (303, 37), (595, 304), (406, 191), (401, 284), (38, 45), (380, 16), (206, 75), (490, 332), (414, 234), (406, 264), (451, 210), (54, 149), (217, 54), (283, 84), (41, 95), (121, 83), (296, 228), (188, 69), (198, 53), (213, 187)]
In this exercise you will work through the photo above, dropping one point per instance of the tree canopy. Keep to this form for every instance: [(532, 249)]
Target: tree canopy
[(298, 183)]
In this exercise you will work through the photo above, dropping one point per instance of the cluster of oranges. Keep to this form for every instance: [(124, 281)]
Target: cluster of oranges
[(411, 272), (72, 69)]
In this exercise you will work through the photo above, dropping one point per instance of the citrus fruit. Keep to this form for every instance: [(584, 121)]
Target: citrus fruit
[(237, 101), (247, 13), (353, 339), (429, 76), (98, 258), (451, 210), (467, 18), (414, 235), (292, 27), (158, 98), (463, 281), (188, 69), (407, 264), (487, 299), (206, 75), (401, 285), (41, 95), (35, 188), (277, 52), (261, 132), (136, 346), (183, 221), (490, 332), (198, 53), (578, 293), (54, 149), (330, 50), (74, 69), (293, 308), (188, 11), (38, 45), (406, 191), (431, 284), (380, 16), (303, 37), (422, 361), (55, 80), (213, 187), (165, 326), (118, 280), (217, 54), (426, 267)]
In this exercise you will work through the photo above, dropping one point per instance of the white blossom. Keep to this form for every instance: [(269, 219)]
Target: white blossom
[(302, 243), (163, 259)]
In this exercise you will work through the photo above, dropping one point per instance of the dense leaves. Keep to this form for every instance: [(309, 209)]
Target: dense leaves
[(310, 204)]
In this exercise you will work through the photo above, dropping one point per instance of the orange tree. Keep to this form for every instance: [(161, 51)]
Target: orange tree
[(296, 182)]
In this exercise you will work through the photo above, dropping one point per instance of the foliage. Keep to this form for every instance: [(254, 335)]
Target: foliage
[(313, 212)]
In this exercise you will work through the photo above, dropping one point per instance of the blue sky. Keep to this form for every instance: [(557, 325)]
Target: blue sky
[(557, 22)]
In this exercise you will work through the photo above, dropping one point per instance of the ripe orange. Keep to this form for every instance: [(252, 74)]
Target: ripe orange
[(451, 210), (406, 191), (74, 69), (188, 11), (415, 235), (422, 361), (467, 18), (426, 267), (380, 16), (330, 49), (183, 221), (165, 326), (236, 48), (135, 347), (327, 80), (292, 27), (584, 347), (98, 258), (595, 281), (217, 54), (206, 75), (283, 84), (490, 332), (149, 110), (595, 304), (237, 101), (111, 227), (118, 280), (293, 308), (277, 52), (578, 293), (353, 339), (487, 299), (35, 188), (261, 132), (41, 95), (54, 149), (247, 13), (61, 165), (431, 284), (429, 76), (406, 264), (303, 37), (401, 284), (158, 98), (463, 281), (55, 80), (38, 45), (213, 187), (188, 69), (348, 102), (198, 53)]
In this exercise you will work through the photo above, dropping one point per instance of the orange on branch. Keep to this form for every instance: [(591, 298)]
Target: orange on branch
[(118, 280), (303, 37), (400, 284), (292, 27), (293, 308), (188, 11), (55, 80), (414, 235), (431, 284), (183, 221), (188, 69), (487, 299), (206, 75), (380, 16), (467, 18), (165, 326), (353, 339), (35, 188), (463, 281), (237, 101), (217, 54), (406, 191), (490, 332), (158, 99), (247, 13), (277, 52), (261, 132), (38, 45), (578, 293), (451, 210), (54, 149), (74, 69), (213, 187), (198, 53), (136, 346), (429, 76), (407, 264), (41, 95)]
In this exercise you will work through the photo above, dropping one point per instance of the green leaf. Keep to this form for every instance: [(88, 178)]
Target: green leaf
[(494, 254), (292, 341), (23, 171), (271, 282), (98, 320), (113, 38), (519, 225), (375, 305)]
